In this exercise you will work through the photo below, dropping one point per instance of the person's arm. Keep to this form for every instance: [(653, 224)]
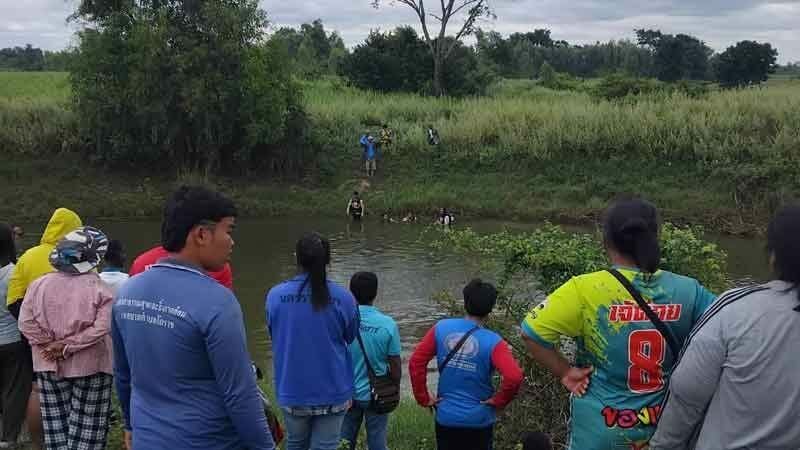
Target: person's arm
[(30, 321), (418, 368), (16, 288), (226, 344), (692, 385), (559, 315), (394, 351), (510, 373), (95, 332), (352, 323), (363, 208), (122, 373)]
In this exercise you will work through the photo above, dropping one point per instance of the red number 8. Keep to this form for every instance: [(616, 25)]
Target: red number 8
[(646, 355)]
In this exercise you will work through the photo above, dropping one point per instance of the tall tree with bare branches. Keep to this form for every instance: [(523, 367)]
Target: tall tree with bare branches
[(463, 13)]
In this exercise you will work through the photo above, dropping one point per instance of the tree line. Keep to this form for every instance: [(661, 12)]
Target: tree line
[(33, 59)]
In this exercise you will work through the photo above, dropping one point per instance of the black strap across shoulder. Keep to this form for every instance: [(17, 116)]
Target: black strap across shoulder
[(662, 328), (455, 349)]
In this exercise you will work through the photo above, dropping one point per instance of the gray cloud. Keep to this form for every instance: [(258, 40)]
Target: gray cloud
[(718, 22)]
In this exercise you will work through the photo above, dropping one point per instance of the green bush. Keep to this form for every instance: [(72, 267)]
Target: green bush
[(529, 265)]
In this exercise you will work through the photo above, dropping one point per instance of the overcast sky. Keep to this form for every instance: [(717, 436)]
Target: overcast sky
[(718, 22)]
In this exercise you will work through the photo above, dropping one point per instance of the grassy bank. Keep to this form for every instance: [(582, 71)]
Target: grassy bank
[(410, 428), (524, 152)]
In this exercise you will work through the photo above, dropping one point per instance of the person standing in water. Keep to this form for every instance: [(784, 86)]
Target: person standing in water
[(312, 322), (355, 207)]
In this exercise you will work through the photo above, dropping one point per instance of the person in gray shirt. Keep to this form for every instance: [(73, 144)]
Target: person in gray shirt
[(737, 383)]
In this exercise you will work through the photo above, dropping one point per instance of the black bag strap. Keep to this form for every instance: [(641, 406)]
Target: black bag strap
[(662, 328), (455, 349), (370, 371)]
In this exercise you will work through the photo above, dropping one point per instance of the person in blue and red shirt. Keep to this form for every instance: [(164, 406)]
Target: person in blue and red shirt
[(466, 403)]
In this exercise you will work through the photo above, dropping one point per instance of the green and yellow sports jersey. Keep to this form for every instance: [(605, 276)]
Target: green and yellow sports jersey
[(631, 358)]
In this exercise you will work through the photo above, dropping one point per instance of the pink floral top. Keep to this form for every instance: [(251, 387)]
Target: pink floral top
[(75, 310)]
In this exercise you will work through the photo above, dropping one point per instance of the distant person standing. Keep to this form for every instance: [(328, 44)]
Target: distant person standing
[(355, 207), (16, 367), (182, 370), (445, 218), (19, 235), (113, 274), (370, 154), (386, 137), (312, 321), (66, 317), (433, 136), (467, 355), (376, 354)]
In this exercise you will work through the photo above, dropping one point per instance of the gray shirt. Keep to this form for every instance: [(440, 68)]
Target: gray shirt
[(9, 329), (737, 384)]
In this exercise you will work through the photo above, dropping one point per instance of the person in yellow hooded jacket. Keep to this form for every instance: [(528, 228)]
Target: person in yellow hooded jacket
[(31, 265)]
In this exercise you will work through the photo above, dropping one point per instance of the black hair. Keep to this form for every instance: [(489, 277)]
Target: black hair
[(537, 441), (8, 250), (188, 207), (631, 228), (364, 286), (313, 256), (479, 298), (784, 245), (355, 194), (115, 255)]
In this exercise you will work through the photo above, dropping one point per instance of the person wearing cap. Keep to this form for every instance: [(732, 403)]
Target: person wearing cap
[(34, 263), (66, 318)]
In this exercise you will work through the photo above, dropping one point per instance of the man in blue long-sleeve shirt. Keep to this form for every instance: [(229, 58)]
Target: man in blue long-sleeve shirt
[(181, 365)]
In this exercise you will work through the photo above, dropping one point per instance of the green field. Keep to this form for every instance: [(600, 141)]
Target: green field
[(523, 152)]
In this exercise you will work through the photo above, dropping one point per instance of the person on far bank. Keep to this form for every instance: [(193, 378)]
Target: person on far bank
[(355, 207), (182, 371), (66, 318), (432, 135), (737, 384), (34, 263), (113, 274), (312, 321), (624, 357), (16, 367), (467, 355), (378, 351), (386, 137), (370, 154)]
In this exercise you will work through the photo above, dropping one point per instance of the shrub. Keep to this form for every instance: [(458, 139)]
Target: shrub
[(529, 265)]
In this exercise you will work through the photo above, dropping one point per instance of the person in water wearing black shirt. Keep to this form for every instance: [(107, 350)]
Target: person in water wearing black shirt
[(355, 207)]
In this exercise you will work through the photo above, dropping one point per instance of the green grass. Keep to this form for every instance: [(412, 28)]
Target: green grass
[(35, 85), (522, 152)]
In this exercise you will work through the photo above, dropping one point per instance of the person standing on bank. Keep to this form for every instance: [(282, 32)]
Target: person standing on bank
[(736, 384), (467, 354), (113, 274), (625, 354), (376, 355), (66, 317), (182, 370), (312, 321), (16, 367)]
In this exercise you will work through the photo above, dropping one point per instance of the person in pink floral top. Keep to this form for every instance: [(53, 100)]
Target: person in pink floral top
[(66, 317)]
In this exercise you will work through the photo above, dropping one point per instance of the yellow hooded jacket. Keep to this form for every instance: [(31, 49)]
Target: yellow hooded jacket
[(36, 261)]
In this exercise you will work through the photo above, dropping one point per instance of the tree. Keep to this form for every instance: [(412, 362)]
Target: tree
[(184, 85), (28, 58), (439, 46), (676, 57), (748, 62), (313, 50), (400, 61)]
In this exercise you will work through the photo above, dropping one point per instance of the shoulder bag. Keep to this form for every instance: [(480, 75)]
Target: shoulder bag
[(384, 391)]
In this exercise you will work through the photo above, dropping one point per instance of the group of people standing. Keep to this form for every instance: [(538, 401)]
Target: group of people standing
[(660, 362)]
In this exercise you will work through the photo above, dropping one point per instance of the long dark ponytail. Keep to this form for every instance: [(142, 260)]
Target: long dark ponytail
[(313, 256), (784, 245), (631, 228)]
